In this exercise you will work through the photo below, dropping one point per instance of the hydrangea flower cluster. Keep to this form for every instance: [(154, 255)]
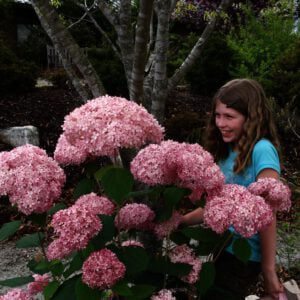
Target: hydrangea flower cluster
[(102, 269), (163, 295), (132, 243), (17, 294), (97, 205), (164, 229), (135, 216), (39, 283), (102, 126), (236, 206), (75, 226), (184, 254), (185, 165), (276, 193), (31, 179)]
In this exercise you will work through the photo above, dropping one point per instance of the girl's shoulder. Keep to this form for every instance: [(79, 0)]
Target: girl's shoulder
[(263, 145)]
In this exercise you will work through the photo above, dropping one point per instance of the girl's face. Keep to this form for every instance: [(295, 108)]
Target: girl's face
[(230, 122)]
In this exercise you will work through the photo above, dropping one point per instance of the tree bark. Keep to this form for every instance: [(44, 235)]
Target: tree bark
[(161, 48), (140, 50), (63, 41)]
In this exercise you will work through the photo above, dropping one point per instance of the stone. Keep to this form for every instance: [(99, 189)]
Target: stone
[(18, 136)]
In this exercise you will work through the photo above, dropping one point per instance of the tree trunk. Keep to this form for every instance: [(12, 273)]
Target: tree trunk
[(161, 48), (64, 42), (140, 50)]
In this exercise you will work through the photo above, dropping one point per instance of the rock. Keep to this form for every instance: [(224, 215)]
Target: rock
[(18, 136)]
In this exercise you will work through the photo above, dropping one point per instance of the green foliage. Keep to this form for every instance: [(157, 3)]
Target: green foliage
[(258, 41), (17, 281), (110, 70), (211, 69), (9, 229), (285, 76)]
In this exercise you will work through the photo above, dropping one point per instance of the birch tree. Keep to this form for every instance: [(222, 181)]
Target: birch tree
[(142, 47)]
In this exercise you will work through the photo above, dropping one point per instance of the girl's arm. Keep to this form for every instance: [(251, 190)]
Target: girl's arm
[(194, 217), (268, 249)]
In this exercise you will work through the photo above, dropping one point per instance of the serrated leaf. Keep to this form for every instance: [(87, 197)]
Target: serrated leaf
[(9, 229), (107, 233), (51, 289), (174, 194), (201, 234), (83, 292), (30, 240), (16, 281), (56, 267), (122, 289), (206, 278), (117, 184), (99, 174), (56, 208), (66, 290), (85, 186), (165, 266), (135, 259), (242, 249), (141, 291), (40, 267), (75, 265)]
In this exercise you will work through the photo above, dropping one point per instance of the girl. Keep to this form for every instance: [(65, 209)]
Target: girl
[(242, 137)]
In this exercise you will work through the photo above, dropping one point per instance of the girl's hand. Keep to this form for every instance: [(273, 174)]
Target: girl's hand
[(273, 286)]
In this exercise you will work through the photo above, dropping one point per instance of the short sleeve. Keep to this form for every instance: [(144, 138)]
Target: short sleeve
[(265, 156)]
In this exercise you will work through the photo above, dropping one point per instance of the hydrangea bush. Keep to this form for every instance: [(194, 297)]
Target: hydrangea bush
[(122, 238)]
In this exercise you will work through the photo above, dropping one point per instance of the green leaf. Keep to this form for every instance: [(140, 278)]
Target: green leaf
[(39, 267), (174, 194), (201, 234), (242, 249), (83, 292), (75, 265), (135, 259), (66, 290), (122, 288), (141, 291), (100, 173), (56, 267), (164, 266), (50, 289), (90, 169), (17, 281), (206, 278), (9, 229), (117, 184), (56, 208), (30, 240), (39, 219), (107, 233), (85, 186)]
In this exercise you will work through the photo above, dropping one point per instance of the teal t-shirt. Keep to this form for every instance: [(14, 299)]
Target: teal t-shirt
[(264, 156)]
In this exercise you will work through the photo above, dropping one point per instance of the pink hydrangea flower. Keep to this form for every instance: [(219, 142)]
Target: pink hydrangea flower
[(40, 282), (66, 154), (132, 243), (16, 294), (105, 124), (74, 226), (236, 206), (181, 164), (184, 254), (163, 295), (31, 179), (276, 193), (164, 229), (97, 205), (102, 269), (135, 216)]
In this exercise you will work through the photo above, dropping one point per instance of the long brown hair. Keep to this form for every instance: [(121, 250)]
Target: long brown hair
[(248, 98)]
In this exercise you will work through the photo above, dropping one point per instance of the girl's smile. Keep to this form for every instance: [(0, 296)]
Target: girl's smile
[(230, 122)]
